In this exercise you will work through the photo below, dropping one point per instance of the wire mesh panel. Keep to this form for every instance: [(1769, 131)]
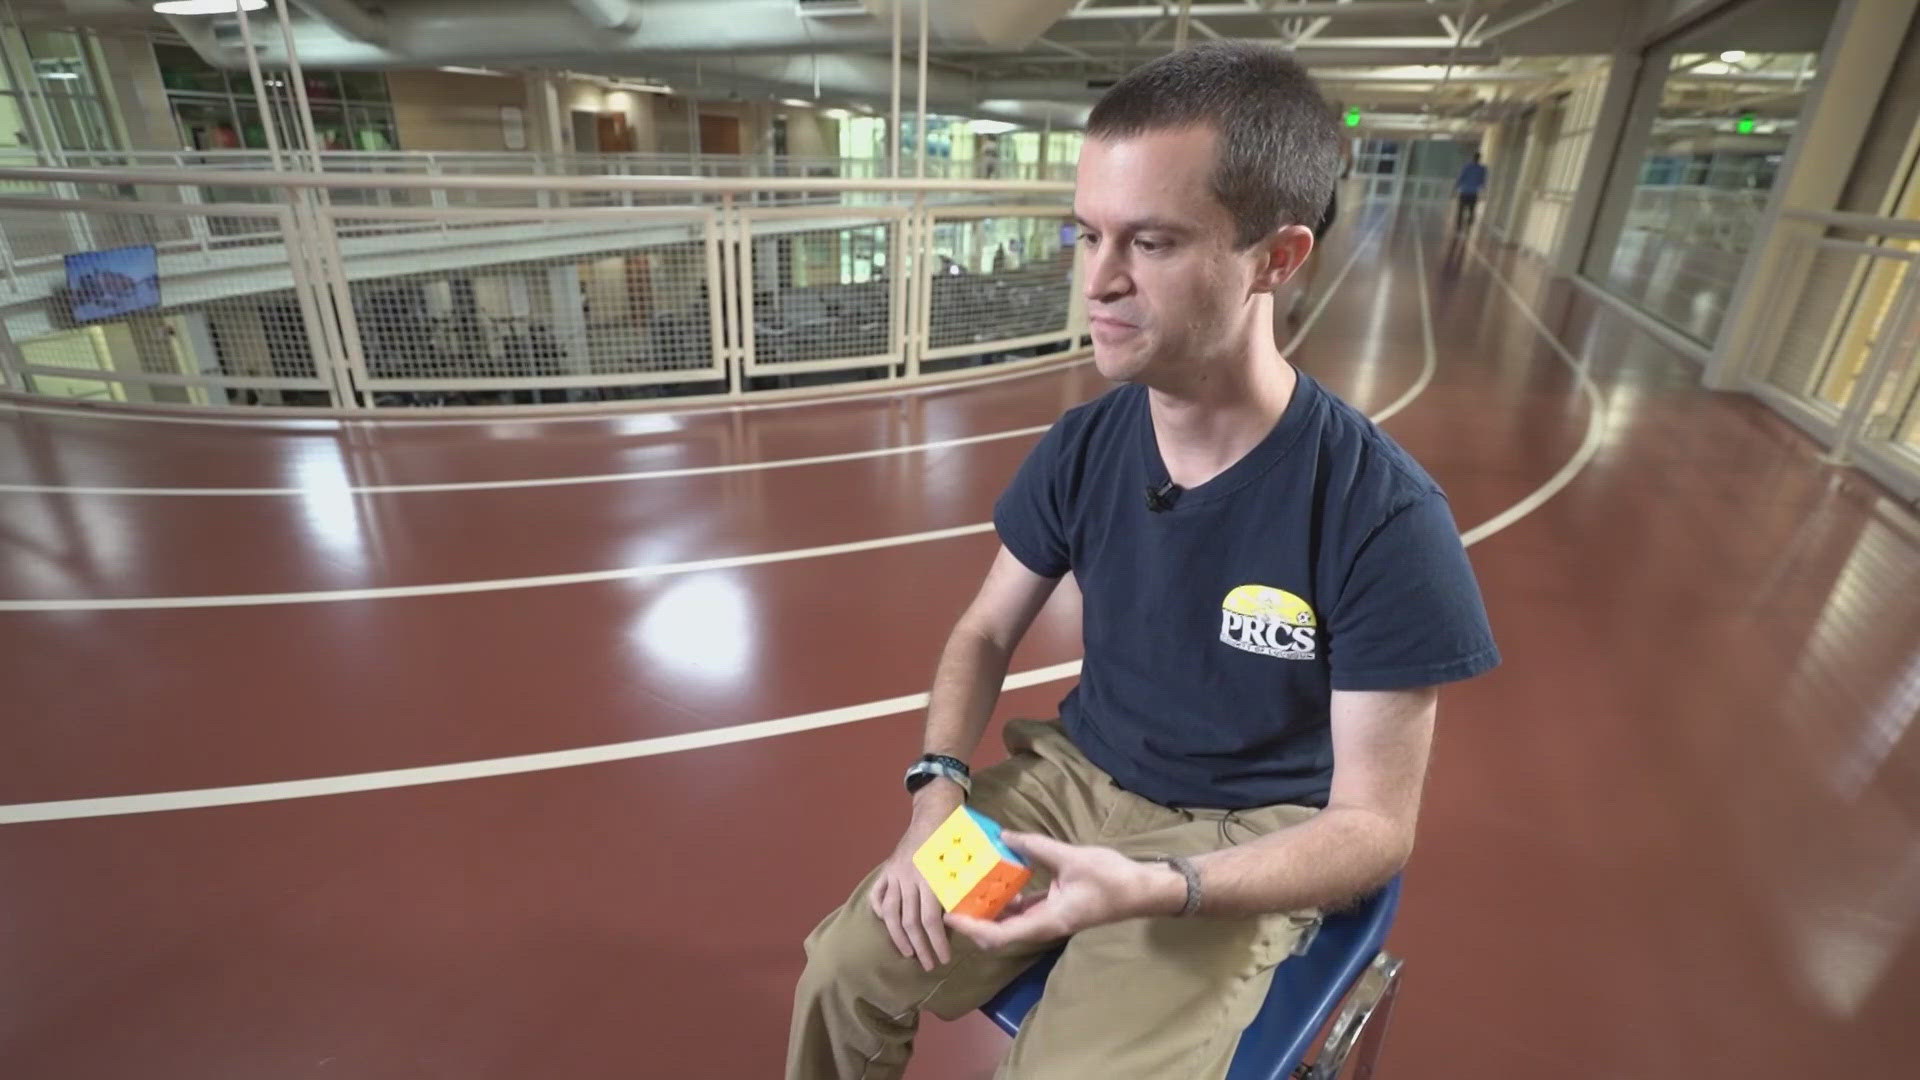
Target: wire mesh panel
[(998, 280), (165, 304), (568, 299), (273, 292), (823, 295)]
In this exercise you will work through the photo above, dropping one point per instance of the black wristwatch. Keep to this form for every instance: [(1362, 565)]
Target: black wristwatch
[(931, 767)]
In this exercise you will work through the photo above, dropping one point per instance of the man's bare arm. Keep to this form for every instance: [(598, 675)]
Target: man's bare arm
[(1381, 740), (974, 663), (965, 687), (1380, 745)]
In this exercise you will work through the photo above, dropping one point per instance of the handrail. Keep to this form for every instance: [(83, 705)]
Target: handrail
[(1872, 223), (714, 185)]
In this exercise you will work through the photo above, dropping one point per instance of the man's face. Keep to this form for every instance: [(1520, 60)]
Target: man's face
[(1166, 291)]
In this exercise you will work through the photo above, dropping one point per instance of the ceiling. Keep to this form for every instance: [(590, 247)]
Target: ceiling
[(1408, 62)]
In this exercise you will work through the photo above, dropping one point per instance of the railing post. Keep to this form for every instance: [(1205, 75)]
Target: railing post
[(920, 285), (11, 362)]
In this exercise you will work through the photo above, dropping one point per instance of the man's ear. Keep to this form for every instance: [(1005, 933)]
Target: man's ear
[(1282, 253)]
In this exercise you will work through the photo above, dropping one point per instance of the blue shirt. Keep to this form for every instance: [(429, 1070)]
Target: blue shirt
[(1472, 178), (1216, 629)]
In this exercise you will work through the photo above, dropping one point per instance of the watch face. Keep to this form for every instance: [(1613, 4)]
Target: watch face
[(918, 781)]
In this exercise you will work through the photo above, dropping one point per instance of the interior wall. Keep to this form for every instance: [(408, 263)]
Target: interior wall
[(637, 106), (443, 110), (672, 123), (810, 133)]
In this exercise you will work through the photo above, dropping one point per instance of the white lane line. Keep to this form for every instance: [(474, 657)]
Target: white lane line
[(1334, 286), (1430, 359), (534, 482), (398, 419), (1596, 420), (20, 813), (198, 798), (452, 588)]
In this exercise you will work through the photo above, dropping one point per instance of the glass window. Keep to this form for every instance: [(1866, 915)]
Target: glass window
[(1730, 97), (182, 69), (216, 110), (363, 85)]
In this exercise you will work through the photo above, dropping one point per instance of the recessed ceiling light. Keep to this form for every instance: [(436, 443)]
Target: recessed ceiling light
[(207, 7), (1733, 56)]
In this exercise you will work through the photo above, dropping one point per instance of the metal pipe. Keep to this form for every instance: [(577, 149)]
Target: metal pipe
[(920, 109), (416, 181), (1458, 40), (259, 92), (1522, 19), (893, 130), (299, 79), (1180, 25), (1377, 9)]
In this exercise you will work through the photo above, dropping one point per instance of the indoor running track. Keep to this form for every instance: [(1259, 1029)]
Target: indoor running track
[(532, 748)]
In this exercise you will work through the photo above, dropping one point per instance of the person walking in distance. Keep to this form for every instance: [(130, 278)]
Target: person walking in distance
[(1467, 188)]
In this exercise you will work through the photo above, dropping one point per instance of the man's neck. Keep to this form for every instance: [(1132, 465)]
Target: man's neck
[(1211, 421)]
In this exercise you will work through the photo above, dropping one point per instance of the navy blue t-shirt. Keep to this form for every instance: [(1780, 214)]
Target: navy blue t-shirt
[(1215, 630)]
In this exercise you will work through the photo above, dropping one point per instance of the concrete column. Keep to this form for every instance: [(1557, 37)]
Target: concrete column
[(130, 78), (1624, 74), (1616, 168)]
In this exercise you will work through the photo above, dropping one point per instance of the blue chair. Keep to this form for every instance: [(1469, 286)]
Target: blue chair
[(1345, 960)]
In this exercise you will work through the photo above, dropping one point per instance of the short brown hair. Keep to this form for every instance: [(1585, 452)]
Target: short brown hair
[(1279, 155)]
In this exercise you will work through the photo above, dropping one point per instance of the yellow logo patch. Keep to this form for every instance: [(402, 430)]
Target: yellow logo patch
[(1270, 622)]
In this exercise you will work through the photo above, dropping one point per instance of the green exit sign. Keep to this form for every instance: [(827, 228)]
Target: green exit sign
[(1745, 124), (1353, 117)]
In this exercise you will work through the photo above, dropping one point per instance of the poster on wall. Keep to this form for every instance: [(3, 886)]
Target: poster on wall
[(105, 284), (513, 127)]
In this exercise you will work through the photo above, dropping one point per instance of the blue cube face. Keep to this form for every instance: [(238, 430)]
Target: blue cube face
[(991, 829)]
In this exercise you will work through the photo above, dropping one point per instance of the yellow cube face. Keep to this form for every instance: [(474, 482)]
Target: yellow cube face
[(967, 865)]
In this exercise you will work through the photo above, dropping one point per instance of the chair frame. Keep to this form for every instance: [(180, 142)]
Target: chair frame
[(1362, 1024)]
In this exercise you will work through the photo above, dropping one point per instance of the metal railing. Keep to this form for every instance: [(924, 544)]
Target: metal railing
[(345, 290), (530, 163), (1840, 352)]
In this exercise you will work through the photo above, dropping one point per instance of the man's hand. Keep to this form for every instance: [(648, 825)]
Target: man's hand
[(901, 897), (1091, 886)]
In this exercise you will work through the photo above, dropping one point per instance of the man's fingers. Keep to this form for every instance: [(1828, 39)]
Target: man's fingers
[(1021, 903), (931, 915), (985, 933), (1028, 927), (888, 908), (916, 931), (1041, 849)]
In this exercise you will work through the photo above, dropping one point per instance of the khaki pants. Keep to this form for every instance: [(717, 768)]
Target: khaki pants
[(1160, 998)]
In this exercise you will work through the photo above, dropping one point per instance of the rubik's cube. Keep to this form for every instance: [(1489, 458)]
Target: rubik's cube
[(971, 870)]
